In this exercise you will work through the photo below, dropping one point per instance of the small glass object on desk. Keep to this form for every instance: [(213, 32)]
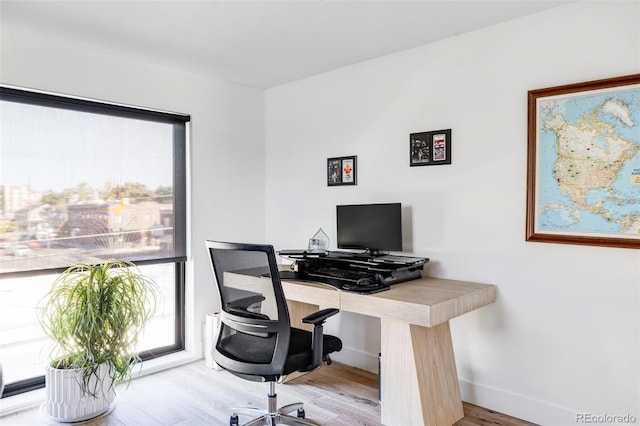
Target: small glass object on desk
[(319, 242)]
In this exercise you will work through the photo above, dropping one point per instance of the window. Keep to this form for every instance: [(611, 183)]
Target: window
[(84, 181)]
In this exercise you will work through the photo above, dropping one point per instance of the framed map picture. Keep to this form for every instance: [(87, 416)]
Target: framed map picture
[(583, 171)]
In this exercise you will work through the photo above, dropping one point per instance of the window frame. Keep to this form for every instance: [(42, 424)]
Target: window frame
[(180, 124)]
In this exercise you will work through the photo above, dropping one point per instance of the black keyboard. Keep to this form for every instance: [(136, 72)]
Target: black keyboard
[(359, 282), (351, 275)]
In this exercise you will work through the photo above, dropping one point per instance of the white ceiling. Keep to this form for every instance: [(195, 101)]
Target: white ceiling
[(260, 43)]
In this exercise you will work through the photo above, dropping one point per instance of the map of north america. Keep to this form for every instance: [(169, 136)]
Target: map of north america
[(589, 164)]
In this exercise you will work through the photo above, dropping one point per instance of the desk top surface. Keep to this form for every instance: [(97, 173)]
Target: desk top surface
[(426, 301)]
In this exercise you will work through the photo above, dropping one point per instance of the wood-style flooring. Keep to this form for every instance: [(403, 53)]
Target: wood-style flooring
[(194, 395)]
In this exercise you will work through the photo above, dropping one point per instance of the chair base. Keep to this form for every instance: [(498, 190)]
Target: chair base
[(274, 419), (275, 416), (279, 417)]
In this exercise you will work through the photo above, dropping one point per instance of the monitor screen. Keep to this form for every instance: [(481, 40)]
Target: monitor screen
[(372, 227)]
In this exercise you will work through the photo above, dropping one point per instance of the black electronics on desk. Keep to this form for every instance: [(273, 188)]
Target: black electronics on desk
[(362, 273), (374, 228)]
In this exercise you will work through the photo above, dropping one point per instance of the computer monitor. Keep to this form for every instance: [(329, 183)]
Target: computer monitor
[(371, 227)]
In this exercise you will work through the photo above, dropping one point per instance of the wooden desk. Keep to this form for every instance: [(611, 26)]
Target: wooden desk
[(419, 379)]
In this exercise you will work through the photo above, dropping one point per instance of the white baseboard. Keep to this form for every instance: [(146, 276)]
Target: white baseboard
[(356, 358), (21, 402), (166, 362), (516, 405)]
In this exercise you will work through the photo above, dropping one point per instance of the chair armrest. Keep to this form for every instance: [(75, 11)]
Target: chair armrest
[(245, 302), (320, 317), (246, 314), (317, 319)]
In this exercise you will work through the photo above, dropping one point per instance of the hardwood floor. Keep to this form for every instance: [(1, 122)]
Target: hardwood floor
[(194, 395)]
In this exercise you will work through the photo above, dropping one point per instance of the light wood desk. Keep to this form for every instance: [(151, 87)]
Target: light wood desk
[(419, 382)]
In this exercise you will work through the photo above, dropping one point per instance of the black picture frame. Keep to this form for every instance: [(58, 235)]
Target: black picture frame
[(430, 148), (342, 171)]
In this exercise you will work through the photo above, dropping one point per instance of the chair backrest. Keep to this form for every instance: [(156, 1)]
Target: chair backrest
[(254, 328)]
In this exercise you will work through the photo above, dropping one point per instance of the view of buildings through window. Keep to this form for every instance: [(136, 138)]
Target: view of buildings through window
[(48, 229), (78, 185)]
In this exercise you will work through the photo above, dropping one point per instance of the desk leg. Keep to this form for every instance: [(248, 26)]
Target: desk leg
[(297, 311), (419, 378)]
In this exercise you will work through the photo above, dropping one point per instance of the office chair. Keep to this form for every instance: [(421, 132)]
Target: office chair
[(255, 339)]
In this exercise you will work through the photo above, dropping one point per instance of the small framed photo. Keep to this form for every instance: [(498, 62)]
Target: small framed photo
[(342, 171), (430, 148)]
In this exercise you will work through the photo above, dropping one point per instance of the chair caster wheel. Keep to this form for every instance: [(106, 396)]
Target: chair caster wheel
[(233, 420), (300, 413)]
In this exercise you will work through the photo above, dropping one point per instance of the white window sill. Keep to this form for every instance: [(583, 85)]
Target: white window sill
[(32, 399)]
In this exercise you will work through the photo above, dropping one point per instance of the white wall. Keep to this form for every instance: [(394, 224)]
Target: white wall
[(563, 335), (227, 137)]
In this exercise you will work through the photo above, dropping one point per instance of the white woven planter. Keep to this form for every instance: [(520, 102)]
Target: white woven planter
[(66, 401)]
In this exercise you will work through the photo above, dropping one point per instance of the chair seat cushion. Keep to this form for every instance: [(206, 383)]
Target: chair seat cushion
[(300, 353), (258, 350)]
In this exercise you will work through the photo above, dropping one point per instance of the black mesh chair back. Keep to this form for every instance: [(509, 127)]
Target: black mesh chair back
[(255, 331)]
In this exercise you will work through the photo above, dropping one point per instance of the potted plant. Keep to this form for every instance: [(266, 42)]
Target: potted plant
[(94, 314)]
